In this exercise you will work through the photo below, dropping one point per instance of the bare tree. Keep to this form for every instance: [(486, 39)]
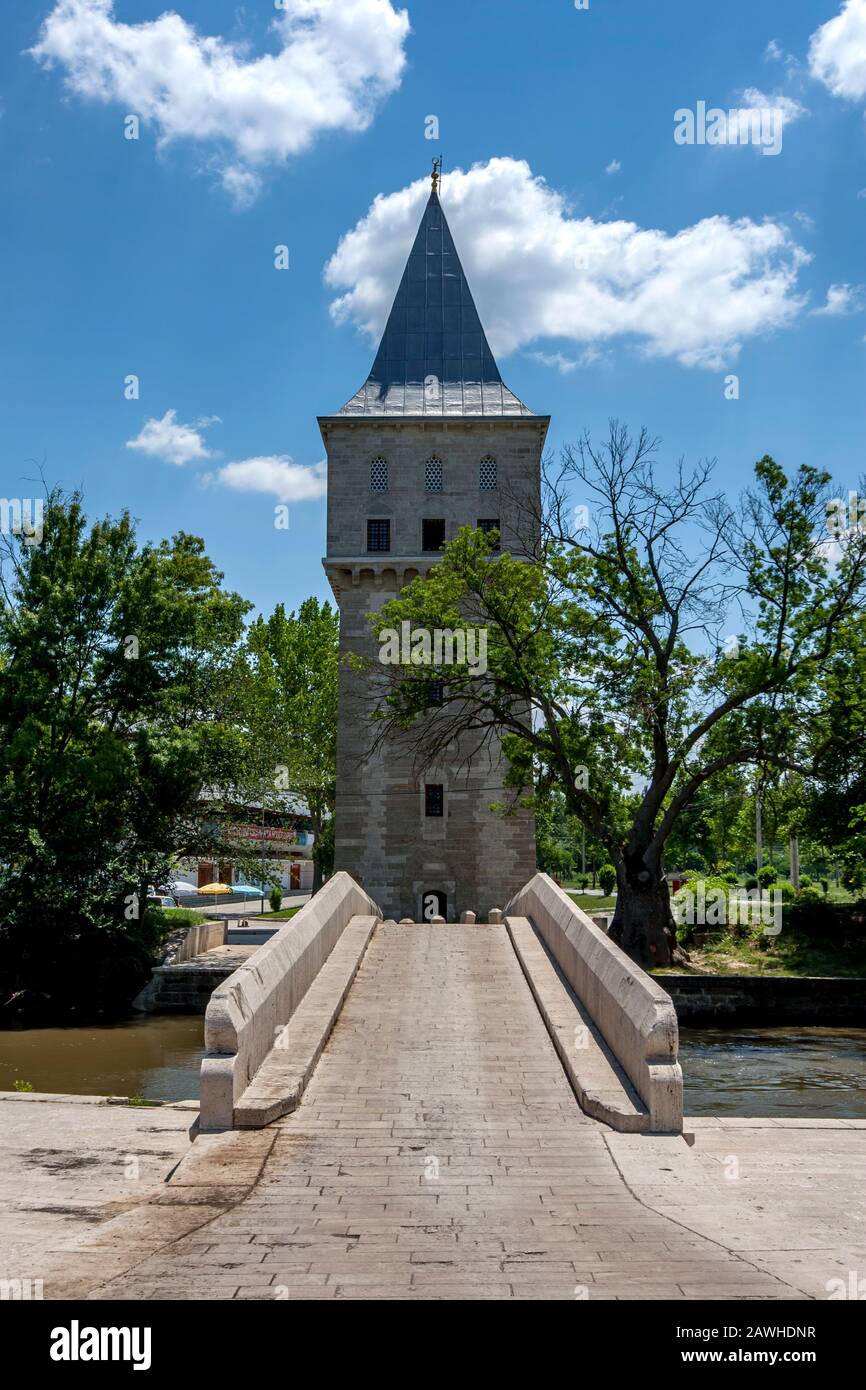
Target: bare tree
[(656, 635)]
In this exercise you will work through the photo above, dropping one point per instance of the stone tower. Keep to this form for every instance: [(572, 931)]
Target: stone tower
[(434, 440)]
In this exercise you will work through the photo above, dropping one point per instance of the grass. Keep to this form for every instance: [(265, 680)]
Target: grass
[(282, 916), (792, 952), (170, 917)]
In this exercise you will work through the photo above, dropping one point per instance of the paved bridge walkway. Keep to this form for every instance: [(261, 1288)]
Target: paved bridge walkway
[(438, 1153)]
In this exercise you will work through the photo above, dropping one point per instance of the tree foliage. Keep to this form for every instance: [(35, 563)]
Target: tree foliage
[(631, 661), (117, 707)]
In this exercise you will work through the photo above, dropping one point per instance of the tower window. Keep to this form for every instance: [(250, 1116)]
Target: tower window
[(432, 533), (379, 475), (378, 535), (434, 799), (487, 477), (436, 693), (433, 475), (488, 524)]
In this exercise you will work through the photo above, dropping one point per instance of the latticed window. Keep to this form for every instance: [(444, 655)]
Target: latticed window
[(487, 480), (434, 799), (488, 524), (379, 475), (433, 475), (378, 535)]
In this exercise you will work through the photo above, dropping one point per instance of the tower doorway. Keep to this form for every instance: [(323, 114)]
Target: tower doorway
[(434, 903)]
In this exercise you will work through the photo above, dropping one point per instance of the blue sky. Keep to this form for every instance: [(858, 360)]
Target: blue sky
[(617, 271)]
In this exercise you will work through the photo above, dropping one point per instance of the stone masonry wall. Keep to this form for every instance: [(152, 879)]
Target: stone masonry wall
[(477, 857)]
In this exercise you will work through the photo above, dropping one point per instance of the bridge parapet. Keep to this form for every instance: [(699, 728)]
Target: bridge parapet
[(633, 1014), (247, 1012)]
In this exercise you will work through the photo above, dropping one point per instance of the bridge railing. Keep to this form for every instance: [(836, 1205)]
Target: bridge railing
[(633, 1014), (247, 1011)]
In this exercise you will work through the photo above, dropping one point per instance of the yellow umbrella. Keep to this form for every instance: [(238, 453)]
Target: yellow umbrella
[(214, 889)]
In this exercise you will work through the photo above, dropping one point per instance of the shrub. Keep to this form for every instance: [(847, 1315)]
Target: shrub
[(751, 883), (805, 881), (810, 894), (607, 878), (725, 870), (767, 875), (710, 885), (825, 886), (275, 897), (816, 918)]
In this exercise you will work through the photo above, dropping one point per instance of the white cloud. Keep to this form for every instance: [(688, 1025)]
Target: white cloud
[(242, 185), (275, 474), (564, 364), (742, 120), (171, 441), (837, 52), (614, 167), (775, 53), (538, 272), (843, 300), (335, 62)]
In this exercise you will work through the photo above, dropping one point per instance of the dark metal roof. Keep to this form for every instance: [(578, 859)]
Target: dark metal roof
[(434, 358)]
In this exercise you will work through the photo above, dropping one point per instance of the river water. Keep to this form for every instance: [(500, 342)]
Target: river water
[(777, 1072), (793, 1072), (156, 1056)]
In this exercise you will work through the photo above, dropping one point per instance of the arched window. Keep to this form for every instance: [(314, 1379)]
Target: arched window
[(487, 479), (433, 475), (379, 475)]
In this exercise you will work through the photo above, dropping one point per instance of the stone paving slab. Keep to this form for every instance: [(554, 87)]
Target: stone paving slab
[(73, 1162), (438, 1154)]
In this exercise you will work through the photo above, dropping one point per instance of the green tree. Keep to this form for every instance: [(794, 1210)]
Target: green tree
[(291, 713), (834, 801), (609, 664), (115, 711)]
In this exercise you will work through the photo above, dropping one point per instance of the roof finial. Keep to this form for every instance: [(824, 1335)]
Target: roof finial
[(437, 173)]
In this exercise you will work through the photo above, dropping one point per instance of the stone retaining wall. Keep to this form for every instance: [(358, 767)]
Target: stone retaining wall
[(631, 1011), (246, 1012), (766, 1001), (201, 936)]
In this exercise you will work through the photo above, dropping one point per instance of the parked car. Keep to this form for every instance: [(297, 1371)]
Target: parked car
[(161, 900)]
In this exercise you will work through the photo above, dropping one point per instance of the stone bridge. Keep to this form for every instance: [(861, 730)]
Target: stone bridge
[(467, 1111)]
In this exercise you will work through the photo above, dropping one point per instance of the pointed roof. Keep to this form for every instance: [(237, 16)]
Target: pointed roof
[(434, 358)]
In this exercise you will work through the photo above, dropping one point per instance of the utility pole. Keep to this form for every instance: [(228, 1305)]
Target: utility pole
[(795, 862), (262, 853)]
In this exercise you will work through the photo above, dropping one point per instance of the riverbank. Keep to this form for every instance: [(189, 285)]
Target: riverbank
[(69, 1166), (93, 1203)]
